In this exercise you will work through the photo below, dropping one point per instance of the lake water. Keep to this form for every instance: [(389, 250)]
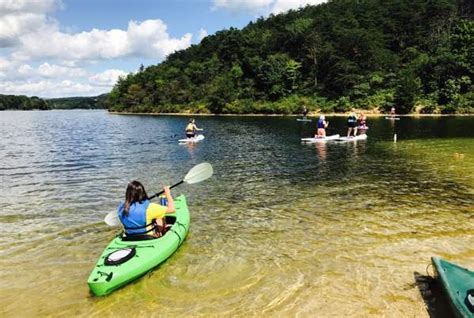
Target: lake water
[(281, 229)]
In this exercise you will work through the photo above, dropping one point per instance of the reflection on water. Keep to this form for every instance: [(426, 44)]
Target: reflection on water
[(281, 229), (321, 149)]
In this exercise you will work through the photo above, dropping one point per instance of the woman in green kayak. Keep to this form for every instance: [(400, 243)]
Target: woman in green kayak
[(141, 217)]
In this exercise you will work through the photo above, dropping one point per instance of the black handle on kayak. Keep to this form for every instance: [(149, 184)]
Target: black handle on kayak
[(163, 191)]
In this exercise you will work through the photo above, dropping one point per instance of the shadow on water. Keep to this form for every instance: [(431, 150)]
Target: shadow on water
[(433, 296)]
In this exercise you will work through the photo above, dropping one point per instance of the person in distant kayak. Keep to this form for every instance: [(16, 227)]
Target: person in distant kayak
[(191, 128), (322, 125), (352, 125), (305, 112), (139, 216)]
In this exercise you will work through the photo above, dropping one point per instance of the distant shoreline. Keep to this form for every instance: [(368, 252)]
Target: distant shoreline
[(314, 115), (46, 110)]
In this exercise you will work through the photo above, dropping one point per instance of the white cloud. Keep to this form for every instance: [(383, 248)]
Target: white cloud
[(144, 39), (13, 70), (150, 39), (242, 5), (106, 78), (26, 26), (38, 6), (285, 5), (51, 80), (53, 71), (262, 6), (202, 34), (20, 17), (4, 64), (50, 88), (25, 70), (38, 58)]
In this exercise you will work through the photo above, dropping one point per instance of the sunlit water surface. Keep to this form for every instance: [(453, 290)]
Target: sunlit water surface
[(281, 229)]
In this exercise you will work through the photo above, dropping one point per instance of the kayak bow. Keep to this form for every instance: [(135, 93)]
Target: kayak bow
[(458, 285)]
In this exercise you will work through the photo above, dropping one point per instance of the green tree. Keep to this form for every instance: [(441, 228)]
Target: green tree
[(406, 91)]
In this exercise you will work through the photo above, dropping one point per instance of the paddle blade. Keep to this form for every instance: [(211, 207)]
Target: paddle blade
[(199, 173), (112, 219)]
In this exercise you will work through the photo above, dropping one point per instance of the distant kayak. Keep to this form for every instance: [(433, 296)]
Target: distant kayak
[(358, 137), (303, 119), (320, 139), (457, 284), (393, 118), (197, 138)]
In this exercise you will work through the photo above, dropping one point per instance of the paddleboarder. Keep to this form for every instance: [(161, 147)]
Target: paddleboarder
[(322, 125), (191, 128), (305, 112), (362, 122), (352, 125), (392, 111)]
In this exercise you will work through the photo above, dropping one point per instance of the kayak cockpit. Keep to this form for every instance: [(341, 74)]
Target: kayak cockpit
[(169, 221)]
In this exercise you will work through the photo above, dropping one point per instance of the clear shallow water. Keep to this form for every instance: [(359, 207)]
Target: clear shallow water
[(282, 229)]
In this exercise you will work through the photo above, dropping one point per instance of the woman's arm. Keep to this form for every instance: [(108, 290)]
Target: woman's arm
[(170, 208)]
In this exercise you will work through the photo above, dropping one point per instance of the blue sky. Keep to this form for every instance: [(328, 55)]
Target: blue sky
[(58, 48)]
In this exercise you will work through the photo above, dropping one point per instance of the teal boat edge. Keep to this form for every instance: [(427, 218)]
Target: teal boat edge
[(143, 257), (457, 284)]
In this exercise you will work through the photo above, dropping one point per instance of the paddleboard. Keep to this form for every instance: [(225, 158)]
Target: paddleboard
[(197, 138), (323, 139), (358, 137), (393, 118), (303, 119)]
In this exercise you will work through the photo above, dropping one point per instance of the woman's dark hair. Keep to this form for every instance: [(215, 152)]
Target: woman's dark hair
[(135, 193)]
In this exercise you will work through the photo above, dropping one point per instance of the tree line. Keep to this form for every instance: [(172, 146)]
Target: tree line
[(21, 102), (96, 102), (416, 55)]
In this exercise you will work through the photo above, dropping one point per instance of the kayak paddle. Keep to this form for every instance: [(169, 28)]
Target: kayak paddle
[(197, 174)]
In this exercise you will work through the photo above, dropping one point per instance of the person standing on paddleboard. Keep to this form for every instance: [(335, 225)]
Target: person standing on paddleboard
[(322, 125), (191, 128), (392, 111), (305, 112), (141, 217), (352, 125)]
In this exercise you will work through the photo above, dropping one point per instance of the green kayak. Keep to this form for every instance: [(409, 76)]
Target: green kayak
[(458, 285), (124, 260)]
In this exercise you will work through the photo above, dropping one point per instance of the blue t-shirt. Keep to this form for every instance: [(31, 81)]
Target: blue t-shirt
[(321, 123), (351, 121)]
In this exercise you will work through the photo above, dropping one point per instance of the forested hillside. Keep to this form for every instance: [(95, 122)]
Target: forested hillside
[(415, 54), (22, 103)]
